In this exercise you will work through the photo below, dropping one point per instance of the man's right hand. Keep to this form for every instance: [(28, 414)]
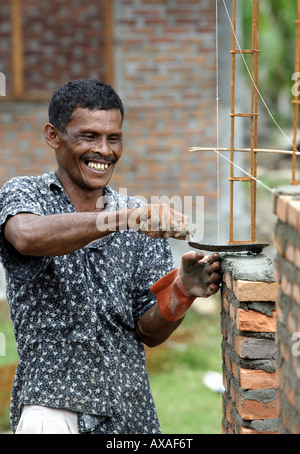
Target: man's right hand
[(159, 221)]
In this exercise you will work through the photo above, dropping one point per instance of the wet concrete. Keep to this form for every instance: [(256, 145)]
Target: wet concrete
[(256, 267)]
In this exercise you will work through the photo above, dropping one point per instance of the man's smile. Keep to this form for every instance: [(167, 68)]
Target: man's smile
[(97, 165)]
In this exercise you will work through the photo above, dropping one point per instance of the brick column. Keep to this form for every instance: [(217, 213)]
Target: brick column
[(248, 326), (287, 242)]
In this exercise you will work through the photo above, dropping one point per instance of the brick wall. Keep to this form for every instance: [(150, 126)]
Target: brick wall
[(23, 149), (61, 41), (65, 39), (248, 325), (165, 72), (164, 60), (5, 39), (287, 241)]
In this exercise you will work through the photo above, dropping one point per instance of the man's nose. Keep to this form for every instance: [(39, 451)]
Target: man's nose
[(103, 148)]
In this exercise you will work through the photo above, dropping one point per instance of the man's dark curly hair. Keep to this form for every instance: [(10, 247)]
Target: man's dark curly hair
[(86, 93)]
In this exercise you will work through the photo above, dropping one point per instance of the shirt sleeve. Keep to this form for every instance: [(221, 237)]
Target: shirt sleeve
[(154, 261), (19, 195)]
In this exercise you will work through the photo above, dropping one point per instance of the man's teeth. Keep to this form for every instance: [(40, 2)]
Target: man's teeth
[(97, 166)]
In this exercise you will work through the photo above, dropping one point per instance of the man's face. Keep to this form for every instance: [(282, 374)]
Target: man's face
[(90, 148)]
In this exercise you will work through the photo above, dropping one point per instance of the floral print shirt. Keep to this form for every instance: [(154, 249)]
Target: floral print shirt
[(74, 316)]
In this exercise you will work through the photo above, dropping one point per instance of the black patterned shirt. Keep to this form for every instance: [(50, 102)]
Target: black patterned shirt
[(74, 316)]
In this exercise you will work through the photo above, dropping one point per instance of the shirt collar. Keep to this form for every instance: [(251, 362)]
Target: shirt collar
[(51, 179), (109, 196)]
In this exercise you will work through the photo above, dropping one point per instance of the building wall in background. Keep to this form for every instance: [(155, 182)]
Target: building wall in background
[(163, 56), (166, 73)]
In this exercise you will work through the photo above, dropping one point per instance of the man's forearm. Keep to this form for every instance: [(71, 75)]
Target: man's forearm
[(61, 234), (153, 329), (197, 276)]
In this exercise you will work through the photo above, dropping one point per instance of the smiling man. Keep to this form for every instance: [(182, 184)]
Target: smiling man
[(87, 152), (86, 286)]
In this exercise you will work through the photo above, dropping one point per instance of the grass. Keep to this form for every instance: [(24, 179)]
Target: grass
[(8, 359), (184, 406), (7, 336), (176, 371)]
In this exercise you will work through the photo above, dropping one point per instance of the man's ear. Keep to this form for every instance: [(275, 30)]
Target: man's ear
[(51, 135)]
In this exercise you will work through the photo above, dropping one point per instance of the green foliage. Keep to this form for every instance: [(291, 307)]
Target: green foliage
[(277, 48), (177, 369), (7, 331), (184, 405)]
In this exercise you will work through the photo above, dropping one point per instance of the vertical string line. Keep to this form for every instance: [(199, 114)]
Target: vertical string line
[(255, 85), (218, 163), (217, 107)]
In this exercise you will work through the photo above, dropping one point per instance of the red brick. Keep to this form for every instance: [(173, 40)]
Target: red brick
[(293, 214), (236, 371), (290, 251), (254, 409), (229, 412), (255, 291), (279, 243), (255, 321), (281, 208), (286, 285), (257, 379), (248, 431)]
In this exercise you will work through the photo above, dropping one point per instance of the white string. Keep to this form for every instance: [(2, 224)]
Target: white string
[(218, 156), (250, 75), (217, 106), (244, 171)]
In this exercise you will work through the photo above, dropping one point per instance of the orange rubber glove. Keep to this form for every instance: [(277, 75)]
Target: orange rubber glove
[(173, 299)]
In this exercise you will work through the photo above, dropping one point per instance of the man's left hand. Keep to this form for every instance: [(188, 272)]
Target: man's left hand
[(200, 275)]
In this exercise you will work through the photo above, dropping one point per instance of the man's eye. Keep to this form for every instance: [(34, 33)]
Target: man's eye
[(115, 139)]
